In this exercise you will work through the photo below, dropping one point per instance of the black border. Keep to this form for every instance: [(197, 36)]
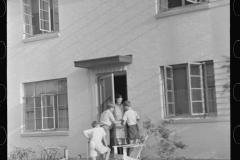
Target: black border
[(3, 78), (234, 77)]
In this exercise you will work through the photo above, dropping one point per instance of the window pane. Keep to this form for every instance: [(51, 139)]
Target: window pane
[(194, 70), (169, 84), (182, 102), (56, 112), (196, 94), (29, 124), (51, 87), (211, 92), (47, 112), (38, 102), (181, 90), (48, 123), (29, 114), (62, 99), (195, 82), (56, 16), (27, 19), (40, 88), (62, 87), (26, 1), (171, 108), (180, 78), (197, 107), (43, 5), (50, 101), (63, 112), (211, 105), (30, 102), (63, 122), (210, 70), (44, 15), (28, 88), (38, 123), (169, 73), (28, 29), (174, 3), (210, 81), (170, 96), (27, 9), (45, 25), (38, 113)]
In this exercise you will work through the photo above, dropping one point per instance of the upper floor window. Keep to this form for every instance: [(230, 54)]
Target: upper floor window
[(189, 89), (169, 4), (40, 16), (46, 105)]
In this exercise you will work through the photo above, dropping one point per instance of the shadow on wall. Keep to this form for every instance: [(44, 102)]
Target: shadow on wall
[(226, 86)]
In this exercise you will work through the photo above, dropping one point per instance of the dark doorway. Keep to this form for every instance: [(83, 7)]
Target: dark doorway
[(120, 85)]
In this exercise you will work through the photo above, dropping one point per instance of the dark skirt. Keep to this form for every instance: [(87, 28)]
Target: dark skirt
[(133, 132)]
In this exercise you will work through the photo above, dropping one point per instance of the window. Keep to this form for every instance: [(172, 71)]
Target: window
[(189, 89), (40, 16), (168, 4), (45, 105)]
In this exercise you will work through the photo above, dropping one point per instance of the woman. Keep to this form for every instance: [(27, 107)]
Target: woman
[(118, 115)]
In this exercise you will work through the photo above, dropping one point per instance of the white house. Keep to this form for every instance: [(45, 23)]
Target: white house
[(67, 58)]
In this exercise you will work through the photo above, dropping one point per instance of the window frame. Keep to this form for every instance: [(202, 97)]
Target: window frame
[(28, 31), (205, 88), (162, 5), (42, 115), (55, 107), (41, 13), (190, 88)]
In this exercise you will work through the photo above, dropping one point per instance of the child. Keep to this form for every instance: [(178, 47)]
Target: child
[(131, 118), (96, 135)]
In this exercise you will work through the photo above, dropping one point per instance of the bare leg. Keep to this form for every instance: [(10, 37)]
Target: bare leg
[(130, 149), (107, 154)]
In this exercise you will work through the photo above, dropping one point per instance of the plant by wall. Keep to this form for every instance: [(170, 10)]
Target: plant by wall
[(20, 153), (166, 145)]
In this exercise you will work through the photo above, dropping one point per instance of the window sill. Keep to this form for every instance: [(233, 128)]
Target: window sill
[(45, 134), (197, 119), (41, 37), (187, 9)]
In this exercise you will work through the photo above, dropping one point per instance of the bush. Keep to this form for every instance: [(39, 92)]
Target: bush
[(20, 153), (166, 146)]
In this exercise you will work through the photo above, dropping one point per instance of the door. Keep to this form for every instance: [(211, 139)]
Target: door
[(106, 95), (196, 88), (106, 91)]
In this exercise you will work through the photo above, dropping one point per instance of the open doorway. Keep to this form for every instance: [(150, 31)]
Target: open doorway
[(120, 85), (108, 86)]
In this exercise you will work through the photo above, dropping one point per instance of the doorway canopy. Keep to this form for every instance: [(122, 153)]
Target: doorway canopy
[(96, 62)]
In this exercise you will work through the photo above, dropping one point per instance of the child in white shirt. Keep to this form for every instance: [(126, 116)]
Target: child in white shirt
[(131, 118), (96, 135)]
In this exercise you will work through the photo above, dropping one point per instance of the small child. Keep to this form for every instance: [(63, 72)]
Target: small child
[(96, 135), (131, 118)]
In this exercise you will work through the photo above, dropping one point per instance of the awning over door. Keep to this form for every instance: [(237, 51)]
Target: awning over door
[(91, 63)]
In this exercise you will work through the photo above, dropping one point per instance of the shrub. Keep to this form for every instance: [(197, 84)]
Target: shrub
[(20, 153), (166, 145)]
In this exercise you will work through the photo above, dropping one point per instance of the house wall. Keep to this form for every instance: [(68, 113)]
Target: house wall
[(92, 29)]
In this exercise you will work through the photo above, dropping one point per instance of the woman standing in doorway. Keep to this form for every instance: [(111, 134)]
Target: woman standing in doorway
[(118, 115)]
